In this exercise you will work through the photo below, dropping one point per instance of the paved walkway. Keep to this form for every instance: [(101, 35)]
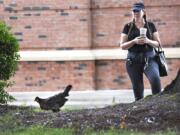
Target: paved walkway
[(80, 99)]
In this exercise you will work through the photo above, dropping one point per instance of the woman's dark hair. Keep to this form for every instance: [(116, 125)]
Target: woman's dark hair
[(144, 16), (145, 19)]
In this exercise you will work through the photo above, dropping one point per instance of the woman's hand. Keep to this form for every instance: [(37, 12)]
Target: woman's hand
[(141, 40)]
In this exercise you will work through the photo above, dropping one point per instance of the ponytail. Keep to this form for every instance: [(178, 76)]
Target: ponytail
[(144, 16), (145, 19)]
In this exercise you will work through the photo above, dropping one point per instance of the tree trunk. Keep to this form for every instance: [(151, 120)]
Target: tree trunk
[(174, 86)]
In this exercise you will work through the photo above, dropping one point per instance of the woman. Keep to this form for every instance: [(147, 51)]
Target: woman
[(140, 58)]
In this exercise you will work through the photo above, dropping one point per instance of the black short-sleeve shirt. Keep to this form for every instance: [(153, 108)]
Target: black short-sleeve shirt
[(135, 32)]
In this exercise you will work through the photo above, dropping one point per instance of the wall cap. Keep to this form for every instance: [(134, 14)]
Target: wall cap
[(79, 55)]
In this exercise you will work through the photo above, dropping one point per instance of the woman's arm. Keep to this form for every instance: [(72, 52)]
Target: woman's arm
[(156, 40), (124, 43)]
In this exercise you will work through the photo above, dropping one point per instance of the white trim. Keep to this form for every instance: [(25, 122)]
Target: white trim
[(77, 55), (172, 52)]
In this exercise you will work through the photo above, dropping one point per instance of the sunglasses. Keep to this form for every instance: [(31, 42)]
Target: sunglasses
[(136, 11)]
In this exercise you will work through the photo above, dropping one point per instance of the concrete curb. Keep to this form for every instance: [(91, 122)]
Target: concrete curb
[(80, 99)]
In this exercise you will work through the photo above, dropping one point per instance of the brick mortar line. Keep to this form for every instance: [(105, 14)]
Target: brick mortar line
[(91, 8)]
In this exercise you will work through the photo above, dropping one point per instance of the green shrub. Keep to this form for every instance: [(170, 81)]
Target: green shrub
[(8, 60)]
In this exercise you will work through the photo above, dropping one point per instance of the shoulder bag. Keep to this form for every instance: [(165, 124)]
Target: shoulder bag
[(161, 60)]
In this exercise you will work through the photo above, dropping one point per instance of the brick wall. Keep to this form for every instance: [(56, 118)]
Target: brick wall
[(83, 75), (52, 76), (49, 24), (81, 24), (72, 24)]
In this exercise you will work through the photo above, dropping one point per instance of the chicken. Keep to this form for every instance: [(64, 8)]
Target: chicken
[(55, 102)]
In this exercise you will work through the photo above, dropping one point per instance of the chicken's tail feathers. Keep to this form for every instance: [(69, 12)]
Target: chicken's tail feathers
[(66, 91)]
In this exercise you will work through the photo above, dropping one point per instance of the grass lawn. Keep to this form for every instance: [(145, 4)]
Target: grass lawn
[(38, 130)]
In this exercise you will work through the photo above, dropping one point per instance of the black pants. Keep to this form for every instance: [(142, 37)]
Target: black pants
[(136, 65)]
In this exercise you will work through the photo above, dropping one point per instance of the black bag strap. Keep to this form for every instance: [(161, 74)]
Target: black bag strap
[(160, 47)]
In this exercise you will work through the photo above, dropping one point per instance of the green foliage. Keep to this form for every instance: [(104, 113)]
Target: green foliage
[(4, 96), (8, 60)]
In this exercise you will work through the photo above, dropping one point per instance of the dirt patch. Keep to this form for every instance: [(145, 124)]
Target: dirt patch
[(151, 114), (154, 113)]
